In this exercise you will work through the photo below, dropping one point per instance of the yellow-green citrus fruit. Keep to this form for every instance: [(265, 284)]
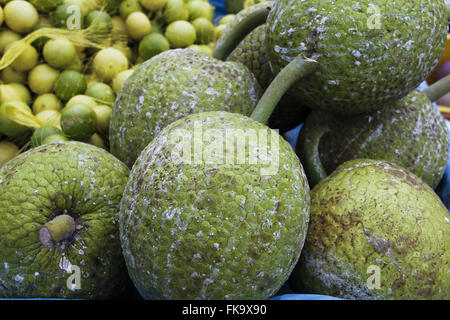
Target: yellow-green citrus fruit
[(23, 91), (50, 118), (55, 138), (201, 48), (68, 16), (8, 93), (20, 16), (42, 78), (81, 98), (219, 30), (9, 75), (227, 18), (200, 9), (376, 231), (1, 16), (108, 63), (153, 5), (99, 21), (180, 34), (129, 6), (96, 140), (8, 151), (120, 79), (59, 53), (100, 91), (47, 101), (175, 10), (204, 29), (8, 126), (85, 6), (6, 37), (153, 44), (69, 84), (138, 25), (40, 134), (79, 121), (103, 117), (27, 60)]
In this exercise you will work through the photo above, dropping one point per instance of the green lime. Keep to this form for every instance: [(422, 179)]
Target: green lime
[(100, 21), (68, 16), (129, 6), (180, 34), (69, 84), (205, 31), (153, 44), (47, 101), (101, 91), (42, 133), (79, 122), (59, 53), (55, 138)]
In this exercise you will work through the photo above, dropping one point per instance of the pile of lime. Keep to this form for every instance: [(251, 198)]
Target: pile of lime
[(56, 87)]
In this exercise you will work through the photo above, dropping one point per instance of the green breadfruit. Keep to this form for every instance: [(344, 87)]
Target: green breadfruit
[(72, 180), (251, 52), (170, 86), (214, 228), (411, 133), (376, 232), (371, 53)]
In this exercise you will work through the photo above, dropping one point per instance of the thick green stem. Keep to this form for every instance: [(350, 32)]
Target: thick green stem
[(295, 70), (247, 25), (310, 156), (438, 89), (60, 228)]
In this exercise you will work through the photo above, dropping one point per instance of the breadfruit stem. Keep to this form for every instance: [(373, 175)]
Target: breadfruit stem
[(309, 153), (60, 228), (295, 70), (438, 89), (247, 25)]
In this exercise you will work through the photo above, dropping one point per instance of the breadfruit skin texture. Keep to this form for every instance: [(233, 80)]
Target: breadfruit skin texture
[(173, 85), (217, 230), (411, 133), (77, 179), (374, 213), (371, 53)]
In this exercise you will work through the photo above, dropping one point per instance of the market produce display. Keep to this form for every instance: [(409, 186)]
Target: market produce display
[(144, 149)]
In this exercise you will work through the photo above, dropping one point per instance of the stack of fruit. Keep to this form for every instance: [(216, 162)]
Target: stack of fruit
[(57, 87), (198, 198)]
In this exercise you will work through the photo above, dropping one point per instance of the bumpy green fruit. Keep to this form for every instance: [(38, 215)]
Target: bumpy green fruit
[(251, 52), (371, 53), (74, 179), (411, 133), (217, 229), (159, 92), (372, 215)]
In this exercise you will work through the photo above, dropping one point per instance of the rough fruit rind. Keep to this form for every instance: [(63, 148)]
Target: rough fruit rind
[(37, 185), (212, 231), (411, 133), (364, 66), (159, 92), (374, 213)]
